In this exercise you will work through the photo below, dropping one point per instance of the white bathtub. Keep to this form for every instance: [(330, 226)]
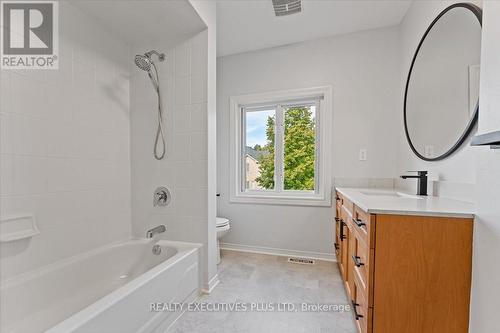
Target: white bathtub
[(109, 289)]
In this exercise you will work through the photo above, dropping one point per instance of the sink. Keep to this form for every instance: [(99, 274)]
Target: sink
[(389, 194)]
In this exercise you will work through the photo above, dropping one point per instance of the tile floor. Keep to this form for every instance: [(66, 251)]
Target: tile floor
[(247, 278)]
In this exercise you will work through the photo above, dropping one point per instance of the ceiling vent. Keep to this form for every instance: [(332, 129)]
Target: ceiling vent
[(287, 7)]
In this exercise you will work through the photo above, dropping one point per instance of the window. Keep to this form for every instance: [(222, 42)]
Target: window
[(279, 153)]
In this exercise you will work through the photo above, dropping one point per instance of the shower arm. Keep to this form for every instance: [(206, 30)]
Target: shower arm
[(161, 56)]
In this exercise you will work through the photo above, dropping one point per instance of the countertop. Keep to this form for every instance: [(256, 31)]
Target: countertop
[(394, 202)]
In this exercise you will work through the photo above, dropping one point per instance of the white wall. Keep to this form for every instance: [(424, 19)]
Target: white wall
[(183, 81), (486, 271), (362, 68), (65, 146), (474, 172), (457, 174), (207, 11)]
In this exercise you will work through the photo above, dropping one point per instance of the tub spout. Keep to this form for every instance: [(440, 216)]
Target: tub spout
[(156, 230)]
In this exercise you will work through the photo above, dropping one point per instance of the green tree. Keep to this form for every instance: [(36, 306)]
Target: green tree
[(266, 158), (299, 151)]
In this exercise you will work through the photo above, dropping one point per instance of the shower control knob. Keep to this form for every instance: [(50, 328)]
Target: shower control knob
[(161, 196)]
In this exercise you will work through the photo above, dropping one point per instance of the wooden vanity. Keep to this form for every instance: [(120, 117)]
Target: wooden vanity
[(405, 272)]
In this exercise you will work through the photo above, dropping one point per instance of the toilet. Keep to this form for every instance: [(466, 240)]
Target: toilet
[(222, 229)]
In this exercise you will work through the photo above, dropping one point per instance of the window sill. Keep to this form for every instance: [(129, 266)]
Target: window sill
[(296, 200)]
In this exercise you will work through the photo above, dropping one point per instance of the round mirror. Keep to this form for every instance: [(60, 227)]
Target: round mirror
[(442, 90)]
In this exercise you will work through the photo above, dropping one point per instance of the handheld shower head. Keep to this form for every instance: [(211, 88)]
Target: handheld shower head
[(143, 62)]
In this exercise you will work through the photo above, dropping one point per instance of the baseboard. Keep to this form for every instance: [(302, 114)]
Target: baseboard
[(278, 252), (209, 287)]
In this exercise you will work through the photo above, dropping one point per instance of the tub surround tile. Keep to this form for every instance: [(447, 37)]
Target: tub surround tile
[(183, 59), (182, 90), (68, 139)]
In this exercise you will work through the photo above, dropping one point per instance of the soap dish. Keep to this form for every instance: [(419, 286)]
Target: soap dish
[(17, 227)]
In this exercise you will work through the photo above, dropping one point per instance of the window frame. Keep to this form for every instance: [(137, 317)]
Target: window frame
[(239, 105)]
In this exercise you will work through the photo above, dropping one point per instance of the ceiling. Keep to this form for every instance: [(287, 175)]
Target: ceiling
[(247, 25), (145, 21)]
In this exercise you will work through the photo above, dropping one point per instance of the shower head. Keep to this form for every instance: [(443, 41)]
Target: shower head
[(144, 61)]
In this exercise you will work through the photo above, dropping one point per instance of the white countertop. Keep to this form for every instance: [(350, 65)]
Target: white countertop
[(393, 202)]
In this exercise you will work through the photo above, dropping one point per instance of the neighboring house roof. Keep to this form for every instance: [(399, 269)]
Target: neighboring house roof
[(252, 153)]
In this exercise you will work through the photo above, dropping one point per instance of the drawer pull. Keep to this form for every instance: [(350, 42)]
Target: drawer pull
[(357, 261), (356, 315), (337, 198), (358, 222), (337, 219), (336, 246), (342, 236)]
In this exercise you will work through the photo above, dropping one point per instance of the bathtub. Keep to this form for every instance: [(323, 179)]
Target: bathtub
[(109, 289)]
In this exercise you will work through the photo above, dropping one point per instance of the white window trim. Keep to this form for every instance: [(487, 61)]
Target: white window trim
[(322, 196)]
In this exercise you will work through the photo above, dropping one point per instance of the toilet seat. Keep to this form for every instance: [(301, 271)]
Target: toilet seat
[(222, 222)]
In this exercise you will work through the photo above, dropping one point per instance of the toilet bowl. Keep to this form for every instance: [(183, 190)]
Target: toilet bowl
[(223, 227)]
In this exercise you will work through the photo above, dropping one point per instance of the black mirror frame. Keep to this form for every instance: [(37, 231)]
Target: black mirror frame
[(478, 12)]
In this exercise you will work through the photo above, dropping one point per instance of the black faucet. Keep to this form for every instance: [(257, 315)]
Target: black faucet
[(422, 182)]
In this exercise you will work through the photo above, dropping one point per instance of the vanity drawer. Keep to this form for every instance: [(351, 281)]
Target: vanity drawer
[(362, 259), (362, 312), (342, 201), (364, 226), (348, 205)]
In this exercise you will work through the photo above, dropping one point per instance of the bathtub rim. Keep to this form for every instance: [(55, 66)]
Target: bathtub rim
[(87, 313), (17, 279)]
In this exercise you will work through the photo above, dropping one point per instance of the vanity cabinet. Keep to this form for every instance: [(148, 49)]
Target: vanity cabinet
[(341, 237), (405, 273)]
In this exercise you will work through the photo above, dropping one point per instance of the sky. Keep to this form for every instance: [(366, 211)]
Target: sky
[(256, 127), (256, 122)]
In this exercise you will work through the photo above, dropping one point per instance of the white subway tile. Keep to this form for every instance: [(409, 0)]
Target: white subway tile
[(181, 174), (199, 146), (30, 175), (60, 100), (6, 141), (167, 68), (28, 96), (199, 54), (199, 174), (62, 175), (60, 136), (183, 59), (179, 147), (182, 118), (200, 197), (5, 92), (6, 174), (182, 90), (199, 117), (198, 89), (29, 135), (163, 174)]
